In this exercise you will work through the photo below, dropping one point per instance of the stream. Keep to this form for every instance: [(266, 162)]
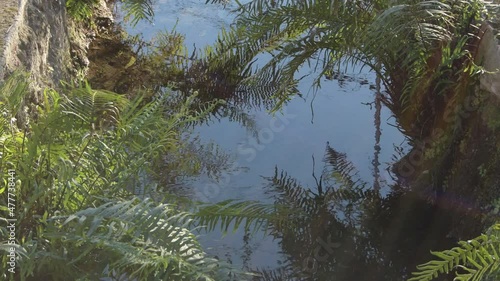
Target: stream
[(380, 238)]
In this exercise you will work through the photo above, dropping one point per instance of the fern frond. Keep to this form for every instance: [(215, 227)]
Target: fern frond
[(478, 257), (78, 166), (137, 10), (91, 105), (81, 9), (252, 215), (149, 241), (342, 170), (13, 92), (330, 35)]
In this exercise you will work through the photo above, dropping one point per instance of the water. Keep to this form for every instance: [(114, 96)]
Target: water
[(340, 114), (337, 117)]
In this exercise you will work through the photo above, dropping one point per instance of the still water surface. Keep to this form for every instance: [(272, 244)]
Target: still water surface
[(337, 115)]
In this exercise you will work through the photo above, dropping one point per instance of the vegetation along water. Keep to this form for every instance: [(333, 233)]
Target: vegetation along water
[(250, 140)]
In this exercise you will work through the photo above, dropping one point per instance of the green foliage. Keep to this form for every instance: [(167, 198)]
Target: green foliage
[(81, 187), (231, 213), (81, 10), (135, 10), (164, 59), (328, 36), (139, 238), (473, 260), (331, 211)]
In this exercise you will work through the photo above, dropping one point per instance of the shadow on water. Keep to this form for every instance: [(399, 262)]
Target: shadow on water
[(130, 65), (344, 229)]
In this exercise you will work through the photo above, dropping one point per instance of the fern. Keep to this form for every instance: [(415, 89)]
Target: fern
[(137, 10), (472, 260), (79, 168), (149, 240), (233, 214), (81, 9), (342, 170), (329, 36)]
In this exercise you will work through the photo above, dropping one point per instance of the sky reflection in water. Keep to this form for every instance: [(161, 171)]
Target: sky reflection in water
[(341, 118)]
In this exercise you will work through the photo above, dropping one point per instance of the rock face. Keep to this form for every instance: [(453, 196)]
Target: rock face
[(8, 13), (38, 42), (490, 59), (44, 41)]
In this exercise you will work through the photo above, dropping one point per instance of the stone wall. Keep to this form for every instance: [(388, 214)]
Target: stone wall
[(8, 13), (38, 42), (489, 53), (46, 43)]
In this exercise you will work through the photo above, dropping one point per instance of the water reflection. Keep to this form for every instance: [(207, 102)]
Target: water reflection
[(344, 229), (349, 227)]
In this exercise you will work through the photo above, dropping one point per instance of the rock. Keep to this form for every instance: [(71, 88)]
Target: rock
[(44, 42), (38, 42), (489, 58)]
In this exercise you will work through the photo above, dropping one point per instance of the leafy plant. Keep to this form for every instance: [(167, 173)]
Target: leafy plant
[(272, 40), (81, 188), (81, 9), (473, 260), (135, 10), (139, 238)]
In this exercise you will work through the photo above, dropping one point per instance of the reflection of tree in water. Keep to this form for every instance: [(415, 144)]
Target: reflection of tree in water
[(343, 230), (241, 94)]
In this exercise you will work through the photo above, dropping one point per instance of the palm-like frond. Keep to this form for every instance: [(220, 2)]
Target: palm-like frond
[(473, 260), (149, 241), (286, 30), (137, 10), (343, 188), (81, 9), (302, 202), (342, 170), (330, 35), (94, 106), (92, 148), (228, 214)]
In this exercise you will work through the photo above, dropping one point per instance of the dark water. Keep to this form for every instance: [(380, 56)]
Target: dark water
[(306, 158)]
